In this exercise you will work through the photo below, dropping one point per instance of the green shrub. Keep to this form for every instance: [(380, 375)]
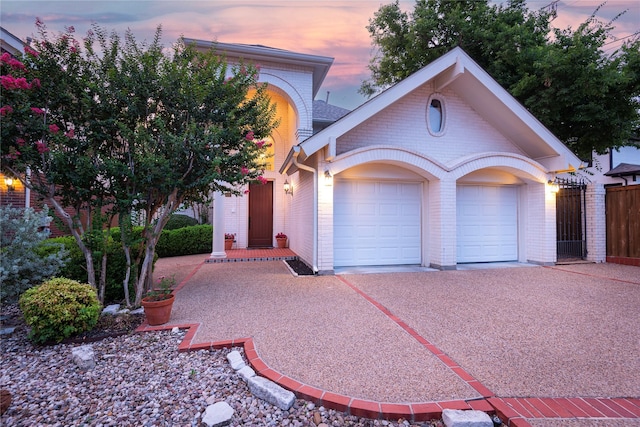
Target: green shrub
[(76, 268), (179, 221), (26, 256), (58, 309), (185, 241)]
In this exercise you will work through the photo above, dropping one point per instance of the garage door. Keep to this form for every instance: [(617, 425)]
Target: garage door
[(376, 223), (487, 223)]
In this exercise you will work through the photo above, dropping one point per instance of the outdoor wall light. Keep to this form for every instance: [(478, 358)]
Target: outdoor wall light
[(327, 178), (288, 189), (553, 186), (9, 183)]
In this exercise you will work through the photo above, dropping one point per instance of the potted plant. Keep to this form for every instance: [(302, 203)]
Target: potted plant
[(281, 239), (159, 302), (228, 241)]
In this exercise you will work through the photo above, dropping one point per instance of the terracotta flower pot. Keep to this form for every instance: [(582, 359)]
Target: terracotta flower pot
[(228, 244), (158, 312), (282, 242)]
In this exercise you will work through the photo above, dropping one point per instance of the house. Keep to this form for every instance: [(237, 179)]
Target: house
[(12, 192), (443, 168)]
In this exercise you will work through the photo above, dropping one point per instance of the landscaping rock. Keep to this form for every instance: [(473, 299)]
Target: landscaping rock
[(458, 418), (218, 414), (271, 392), (246, 372), (7, 331), (111, 309), (236, 360), (84, 357)]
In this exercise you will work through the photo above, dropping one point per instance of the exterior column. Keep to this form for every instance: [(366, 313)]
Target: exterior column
[(541, 240), (218, 226), (596, 223), (442, 224)]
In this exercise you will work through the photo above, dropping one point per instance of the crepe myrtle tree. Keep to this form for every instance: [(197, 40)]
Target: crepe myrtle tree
[(188, 124), (131, 129), (51, 132)]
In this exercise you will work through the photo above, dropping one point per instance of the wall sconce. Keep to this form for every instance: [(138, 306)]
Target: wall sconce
[(288, 189), (9, 183), (553, 186), (328, 179)]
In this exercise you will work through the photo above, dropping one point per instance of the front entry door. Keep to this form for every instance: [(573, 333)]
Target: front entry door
[(261, 215)]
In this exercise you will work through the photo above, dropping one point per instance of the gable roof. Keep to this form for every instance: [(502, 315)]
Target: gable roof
[(624, 169), (478, 89), (259, 53)]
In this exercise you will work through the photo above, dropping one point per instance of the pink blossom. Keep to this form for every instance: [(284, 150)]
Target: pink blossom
[(73, 49), (30, 51), (6, 110), (35, 82), (15, 64), (22, 83), (246, 191), (244, 170), (20, 141), (42, 148), (249, 136), (8, 82), (260, 143), (6, 57), (262, 180), (13, 155), (70, 134), (54, 128), (37, 110), (71, 29), (39, 22)]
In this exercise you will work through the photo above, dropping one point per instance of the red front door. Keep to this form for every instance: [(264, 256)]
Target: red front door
[(261, 215)]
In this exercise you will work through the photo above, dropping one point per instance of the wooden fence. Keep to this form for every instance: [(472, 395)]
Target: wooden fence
[(623, 221)]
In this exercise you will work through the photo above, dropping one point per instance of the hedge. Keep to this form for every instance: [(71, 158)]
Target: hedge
[(183, 241)]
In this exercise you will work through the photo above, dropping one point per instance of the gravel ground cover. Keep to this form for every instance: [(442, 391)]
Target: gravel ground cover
[(141, 380)]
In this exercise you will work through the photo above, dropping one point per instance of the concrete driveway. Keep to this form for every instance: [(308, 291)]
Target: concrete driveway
[(540, 346)]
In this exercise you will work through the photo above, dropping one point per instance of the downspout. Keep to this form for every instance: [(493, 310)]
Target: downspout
[(27, 190), (296, 153)]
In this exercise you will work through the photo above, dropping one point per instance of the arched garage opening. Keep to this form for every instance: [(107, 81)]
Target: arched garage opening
[(378, 216)]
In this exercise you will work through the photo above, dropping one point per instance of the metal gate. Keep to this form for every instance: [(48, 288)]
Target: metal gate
[(571, 220)]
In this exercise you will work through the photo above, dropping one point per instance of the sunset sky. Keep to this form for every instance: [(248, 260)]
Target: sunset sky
[(334, 28)]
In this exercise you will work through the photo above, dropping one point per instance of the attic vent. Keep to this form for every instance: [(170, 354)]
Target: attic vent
[(436, 115)]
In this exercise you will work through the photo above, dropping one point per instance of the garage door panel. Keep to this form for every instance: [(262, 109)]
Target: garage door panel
[(487, 226), (384, 227)]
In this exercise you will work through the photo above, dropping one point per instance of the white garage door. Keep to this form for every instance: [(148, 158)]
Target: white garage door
[(376, 223), (487, 223)]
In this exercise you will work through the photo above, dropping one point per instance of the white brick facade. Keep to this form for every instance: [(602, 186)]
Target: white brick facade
[(488, 140)]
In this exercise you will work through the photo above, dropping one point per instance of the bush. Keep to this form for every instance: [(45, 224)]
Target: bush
[(58, 309), (185, 241), (180, 221), (76, 268), (26, 256)]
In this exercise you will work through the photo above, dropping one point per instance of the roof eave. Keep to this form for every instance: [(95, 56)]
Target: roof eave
[(319, 64)]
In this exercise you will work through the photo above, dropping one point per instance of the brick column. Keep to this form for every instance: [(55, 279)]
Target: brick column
[(442, 224), (596, 223)]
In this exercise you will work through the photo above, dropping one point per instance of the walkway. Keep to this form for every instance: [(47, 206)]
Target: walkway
[(539, 346)]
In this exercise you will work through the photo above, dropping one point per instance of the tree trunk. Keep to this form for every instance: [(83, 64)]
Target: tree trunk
[(103, 276), (146, 269), (88, 255)]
